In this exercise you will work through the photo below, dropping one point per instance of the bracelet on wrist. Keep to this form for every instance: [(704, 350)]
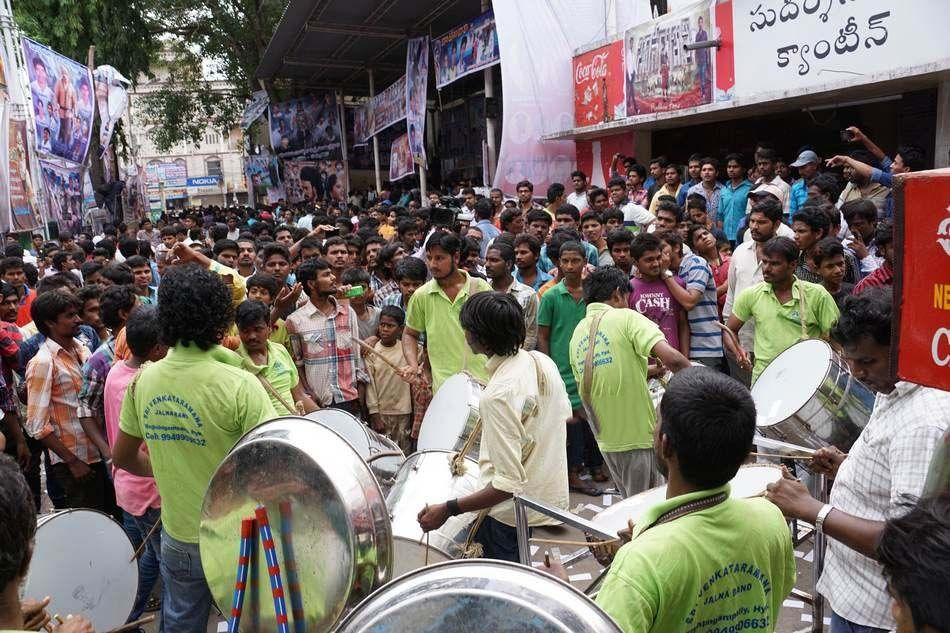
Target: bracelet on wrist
[(452, 506)]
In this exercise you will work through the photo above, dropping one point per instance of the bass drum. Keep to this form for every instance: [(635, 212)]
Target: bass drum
[(749, 482), (451, 416), (426, 478), (329, 523), (367, 442), (807, 397), (478, 595), (84, 562)]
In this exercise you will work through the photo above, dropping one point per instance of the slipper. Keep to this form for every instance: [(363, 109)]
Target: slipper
[(587, 489)]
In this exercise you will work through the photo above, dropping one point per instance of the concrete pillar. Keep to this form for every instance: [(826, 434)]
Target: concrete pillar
[(942, 140)]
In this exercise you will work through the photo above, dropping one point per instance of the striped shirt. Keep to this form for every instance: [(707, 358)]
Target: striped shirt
[(53, 380), (324, 346), (705, 337)]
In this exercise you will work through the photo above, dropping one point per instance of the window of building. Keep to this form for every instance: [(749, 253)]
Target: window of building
[(213, 166)]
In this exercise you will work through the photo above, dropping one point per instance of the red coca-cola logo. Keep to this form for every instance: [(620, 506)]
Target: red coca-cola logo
[(593, 70)]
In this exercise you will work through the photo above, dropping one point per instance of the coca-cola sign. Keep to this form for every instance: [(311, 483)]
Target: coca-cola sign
[(598, 85)]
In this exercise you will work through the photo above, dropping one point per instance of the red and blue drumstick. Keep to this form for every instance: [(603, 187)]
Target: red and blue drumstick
[(240, 583), (273, 569), (290, 564)]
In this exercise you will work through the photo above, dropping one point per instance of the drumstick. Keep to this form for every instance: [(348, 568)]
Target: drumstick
[(782, 456), (273, 569), (377, 355), (144, 542), (290, 562), (240, 583), (131, 626)]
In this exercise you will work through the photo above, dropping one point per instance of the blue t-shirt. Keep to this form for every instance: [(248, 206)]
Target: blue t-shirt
[(705, 337)]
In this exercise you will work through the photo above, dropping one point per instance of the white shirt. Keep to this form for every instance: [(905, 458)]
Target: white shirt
[(527, 298), (306, 222), (890, 459), (634, 214), (783, 230), (523, 433), (234, 235), (745, 271), (579, 200)]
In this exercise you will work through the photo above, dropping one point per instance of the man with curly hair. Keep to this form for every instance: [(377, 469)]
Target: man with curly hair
[(189, 409)]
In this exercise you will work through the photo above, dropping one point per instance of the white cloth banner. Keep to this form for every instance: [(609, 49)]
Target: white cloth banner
[(112, 98), (254, 108)]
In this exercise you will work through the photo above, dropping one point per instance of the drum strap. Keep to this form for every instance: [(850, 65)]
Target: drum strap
[(268, 386), (687, 508), (802, 309), (589, 374)]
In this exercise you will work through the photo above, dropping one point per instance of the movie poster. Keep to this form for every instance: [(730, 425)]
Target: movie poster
[(466, 49), (400, 159), (661, 75), (312, 181), (24, 208), (308, 126), (417, 77), (62, 102), (63, 195), (389, 106), (112, 98), (263, 176), (362, 124)]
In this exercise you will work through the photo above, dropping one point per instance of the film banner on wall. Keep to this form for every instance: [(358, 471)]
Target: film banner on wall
[(417, 77), (389, 106), (24, 210), (63, 107), (466, 49), (311, 181), (63, 194), (306, 126), (400, 159)]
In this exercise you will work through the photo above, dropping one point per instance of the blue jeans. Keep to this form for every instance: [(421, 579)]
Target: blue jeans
[(137, 528), (186, 600), (840, 625)]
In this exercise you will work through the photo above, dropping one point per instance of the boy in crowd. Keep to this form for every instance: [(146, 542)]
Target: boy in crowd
[(89, 296), (592, 226), (269, 360), (388, 396), (619, 242), (650, 295), (265, 288), (410, 273), (367, 314), (142, 280), (527, 253), (11, 271), (828, 260)]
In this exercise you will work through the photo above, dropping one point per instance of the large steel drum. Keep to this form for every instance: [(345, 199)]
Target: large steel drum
[(381, 453), (328, 519), (451, 416), (478, 595)]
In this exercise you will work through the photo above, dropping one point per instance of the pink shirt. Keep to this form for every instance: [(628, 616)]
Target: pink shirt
[(133, 494)]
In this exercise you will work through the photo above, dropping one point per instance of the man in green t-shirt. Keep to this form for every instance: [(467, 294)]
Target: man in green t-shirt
[(616, 399), (189, 409), (702, 560), (785, 308)]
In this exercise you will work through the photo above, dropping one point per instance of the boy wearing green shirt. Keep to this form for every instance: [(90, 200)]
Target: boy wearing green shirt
[(189, 409), (702, 560)]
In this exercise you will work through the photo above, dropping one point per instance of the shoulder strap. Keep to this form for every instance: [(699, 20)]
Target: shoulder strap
[(589, 373), (268, 387)]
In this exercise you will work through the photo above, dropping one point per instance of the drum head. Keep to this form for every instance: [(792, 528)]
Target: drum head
[(328, 521), (752, 479), (484, 595), (445, 419), (83, 560), (790, 381), (350, 427), (614, 518), (410, 554)]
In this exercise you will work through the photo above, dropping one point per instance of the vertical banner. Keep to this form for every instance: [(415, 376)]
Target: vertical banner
[(62, 102), (64, 195), (307, 126), (362, 124), (400, 159), (112, 97), (598, 85), (465, 49), (25, 212), (311, 181), (254, 108), (661, 75), (417, 78)]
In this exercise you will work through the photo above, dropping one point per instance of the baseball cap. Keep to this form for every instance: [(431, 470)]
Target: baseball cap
[(804, 158)]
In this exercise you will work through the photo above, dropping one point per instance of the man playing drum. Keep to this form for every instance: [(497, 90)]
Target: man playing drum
[(523, 408), (887, 464)]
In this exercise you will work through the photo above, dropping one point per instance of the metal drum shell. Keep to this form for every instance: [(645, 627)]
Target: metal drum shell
[(834, 415), (425, 478), (442, 429), (81, 580), (478, 594), (340, 535)]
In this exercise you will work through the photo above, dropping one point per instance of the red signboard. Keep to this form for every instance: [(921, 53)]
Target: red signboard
[(923, 280), (598, 85)]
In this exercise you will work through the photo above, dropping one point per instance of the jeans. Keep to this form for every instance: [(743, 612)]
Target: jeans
[(498, 540), (582, 447), (840, 625), (137, 528), (186, 599), (92, 492)]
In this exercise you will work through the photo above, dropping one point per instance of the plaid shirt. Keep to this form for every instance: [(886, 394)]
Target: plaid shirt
[(883, 276), (94, 373), (53, 380), (385, 291), (324, 346), (890, 459)]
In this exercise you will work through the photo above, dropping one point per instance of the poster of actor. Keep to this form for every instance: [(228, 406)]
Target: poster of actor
[(62, 95), (400, 159), (63, 195), (417, 75), (308, 126), (311, 181)]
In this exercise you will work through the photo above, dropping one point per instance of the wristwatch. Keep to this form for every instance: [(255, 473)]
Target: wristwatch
[(452, 505), (667, 274), (822, 515)]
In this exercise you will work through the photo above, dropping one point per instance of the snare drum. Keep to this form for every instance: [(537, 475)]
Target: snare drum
[(749, 482), (451, 416), (84, 561), (807, 397), (426, 478), (365, 440), (478, 595)]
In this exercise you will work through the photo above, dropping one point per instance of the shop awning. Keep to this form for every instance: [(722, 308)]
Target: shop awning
[(330, 44)]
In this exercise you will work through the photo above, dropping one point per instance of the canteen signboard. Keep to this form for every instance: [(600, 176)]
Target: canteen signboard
[(205, 181)]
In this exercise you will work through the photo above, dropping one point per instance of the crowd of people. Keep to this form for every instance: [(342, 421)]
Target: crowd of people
[(133, 360)]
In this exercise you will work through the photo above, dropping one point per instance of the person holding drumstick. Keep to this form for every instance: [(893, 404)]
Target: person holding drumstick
[(523, 408), (888, 462), (16, 548)]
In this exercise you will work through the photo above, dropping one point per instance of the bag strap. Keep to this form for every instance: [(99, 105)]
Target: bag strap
[(802, 308), (248, 366), (589, 373)]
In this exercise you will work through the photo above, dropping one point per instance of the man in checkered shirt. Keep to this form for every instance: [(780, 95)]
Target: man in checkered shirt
[(887, 464)]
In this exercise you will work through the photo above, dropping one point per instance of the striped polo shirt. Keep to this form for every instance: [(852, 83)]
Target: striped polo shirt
[(705, 337)]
